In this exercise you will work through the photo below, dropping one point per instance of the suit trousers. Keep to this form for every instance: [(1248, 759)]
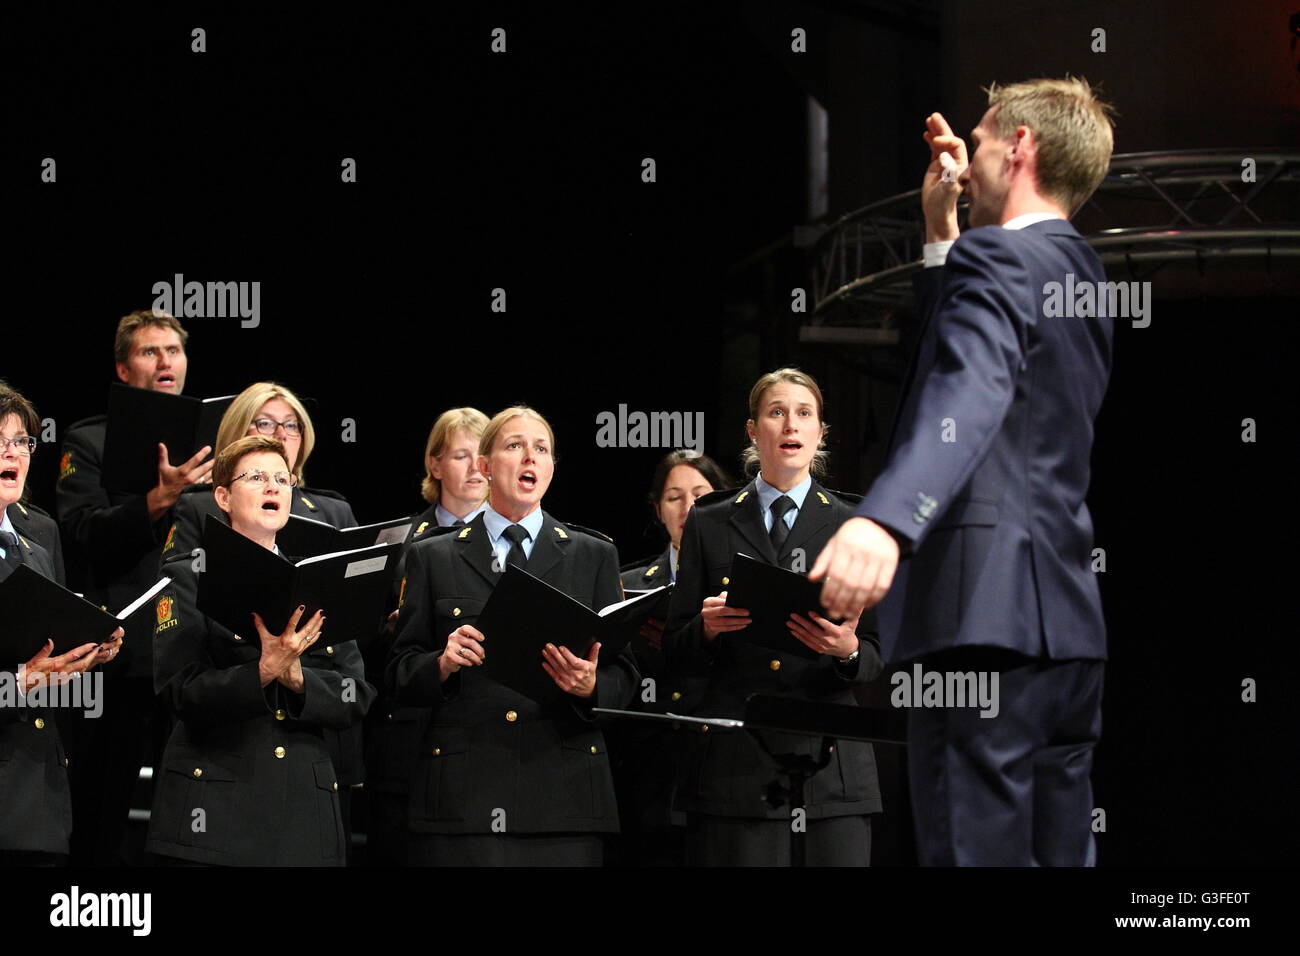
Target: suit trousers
[(1012, 789), (737, 841)]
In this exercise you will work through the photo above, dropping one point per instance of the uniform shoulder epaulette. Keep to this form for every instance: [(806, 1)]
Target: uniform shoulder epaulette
[(577, 527), (321, 493), (640, 563), (27, 507), (726, 494), (92, 420), (437, 530), (847, 497)]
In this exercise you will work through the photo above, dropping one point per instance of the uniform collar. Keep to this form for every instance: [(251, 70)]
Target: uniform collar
[(446, 519), (496, 524), (767, 494)]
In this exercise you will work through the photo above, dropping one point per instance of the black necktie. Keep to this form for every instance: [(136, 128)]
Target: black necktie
[(779, 530), (458, 523), (517, 535), (13, 557)]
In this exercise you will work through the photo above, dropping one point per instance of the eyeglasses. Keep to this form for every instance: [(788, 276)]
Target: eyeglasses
[(267, 426), (284, 479), (23, 445)]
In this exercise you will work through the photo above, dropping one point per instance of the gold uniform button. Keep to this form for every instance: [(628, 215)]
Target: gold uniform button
[(65, 761), (704, 728), (677, 695), (594, 750), (437, 751), (279, 714), (279, 752), (774, 664), (238, 638), (334, 785), (390, 716), (726, 581), (511, 716), (40, 723), (197, 773), (455, 612), (329, 650)]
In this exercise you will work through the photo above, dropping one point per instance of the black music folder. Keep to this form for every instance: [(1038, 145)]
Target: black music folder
[(34, 609), (657, 607), (771, 595), (523, 614), (240, 577), (309, 537), (139, 418)]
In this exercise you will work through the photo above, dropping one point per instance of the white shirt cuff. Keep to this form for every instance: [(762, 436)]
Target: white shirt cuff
[(936, 253)]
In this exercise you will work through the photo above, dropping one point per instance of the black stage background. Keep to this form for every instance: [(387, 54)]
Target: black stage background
[(522, 171)]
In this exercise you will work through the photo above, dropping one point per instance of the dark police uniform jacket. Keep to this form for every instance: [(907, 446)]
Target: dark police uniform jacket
[(35, 801), (648, 759), (109, 535), (728, 772), (392, 732), (253, 759), (488, 748), (186, 533), (39, 527)]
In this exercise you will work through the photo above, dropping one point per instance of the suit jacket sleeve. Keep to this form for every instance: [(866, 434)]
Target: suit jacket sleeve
[(413, 676), (185, 675), (982, 328), (113, 537)]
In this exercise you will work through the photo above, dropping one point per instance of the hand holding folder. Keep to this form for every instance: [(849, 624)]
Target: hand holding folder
[(771, 594), (241, 577), (37, 611), (524, 614), (139, 419)]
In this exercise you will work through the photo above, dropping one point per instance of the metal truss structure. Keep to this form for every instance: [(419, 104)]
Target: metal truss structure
[(1153, 210)]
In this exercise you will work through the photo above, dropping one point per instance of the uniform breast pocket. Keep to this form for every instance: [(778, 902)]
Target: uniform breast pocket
[(328, 815), (586, 768), (199, 796), (441, 788), (451, 613)]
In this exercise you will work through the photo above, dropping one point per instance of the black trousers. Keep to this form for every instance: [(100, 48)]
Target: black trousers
[(484, 849), (734, 841), (1014, 789)]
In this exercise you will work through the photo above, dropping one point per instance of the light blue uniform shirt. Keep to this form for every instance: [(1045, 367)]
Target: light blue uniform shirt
[(767, 494), (446, 519), (496, 526)]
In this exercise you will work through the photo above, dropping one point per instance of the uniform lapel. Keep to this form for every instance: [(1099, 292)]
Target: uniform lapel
[(747, 518), (476, 549), (549, 549), (813, 516)]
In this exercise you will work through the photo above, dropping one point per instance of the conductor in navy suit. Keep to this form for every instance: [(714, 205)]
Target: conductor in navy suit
[(982, 491)]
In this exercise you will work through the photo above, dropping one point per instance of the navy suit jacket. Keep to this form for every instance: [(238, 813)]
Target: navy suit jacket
[(988, 466)]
